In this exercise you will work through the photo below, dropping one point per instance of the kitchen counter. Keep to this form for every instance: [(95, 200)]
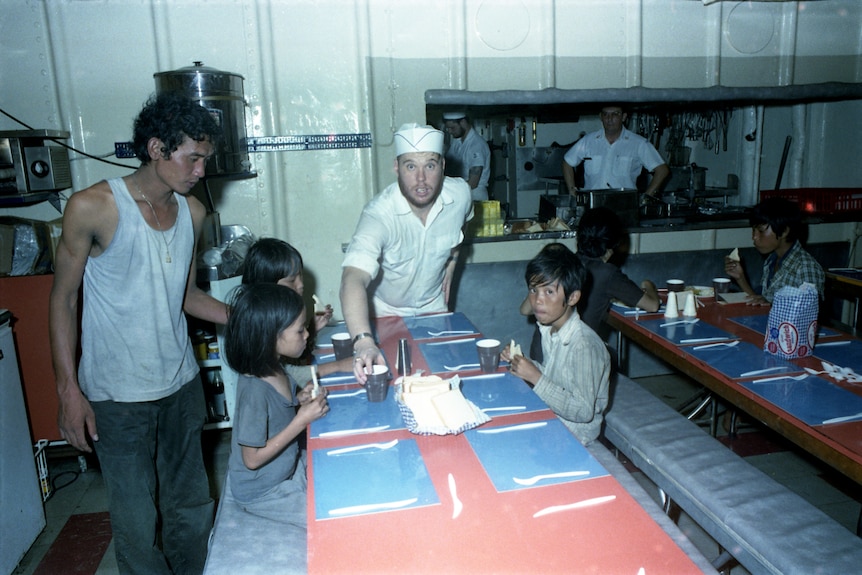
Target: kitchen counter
[(691, 222)]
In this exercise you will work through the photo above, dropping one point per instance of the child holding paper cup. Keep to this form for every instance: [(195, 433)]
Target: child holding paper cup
[(266, 473), (275, 261)]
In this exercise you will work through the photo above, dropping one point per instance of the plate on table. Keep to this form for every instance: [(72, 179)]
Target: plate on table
[(460, 352), (527, 451), (813, 400), (841, 354), (453, 324), (624, 309), (702, 291), (683, 331), (370, 478), (498, 394), (350, 413), (760, 322), (739, 359)]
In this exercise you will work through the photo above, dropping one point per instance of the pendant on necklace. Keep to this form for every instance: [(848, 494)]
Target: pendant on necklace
[(167, 257)]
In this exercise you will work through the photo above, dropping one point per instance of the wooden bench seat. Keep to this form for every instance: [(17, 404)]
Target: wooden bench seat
[(766, 527)]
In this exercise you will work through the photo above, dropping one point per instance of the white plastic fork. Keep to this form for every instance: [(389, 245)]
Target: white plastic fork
[(780, 377), (733, 343), (459, 367), (349, 394), (680, 322), (450, 332), (536, 478)]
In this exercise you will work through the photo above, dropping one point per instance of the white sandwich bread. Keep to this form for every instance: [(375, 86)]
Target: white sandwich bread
[(316, 301), (734, 255), (453, 409), (514, 349), (420, 384), (435, 404)]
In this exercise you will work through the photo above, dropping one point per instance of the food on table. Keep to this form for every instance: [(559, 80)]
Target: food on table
[(435, 403), (514, 349)]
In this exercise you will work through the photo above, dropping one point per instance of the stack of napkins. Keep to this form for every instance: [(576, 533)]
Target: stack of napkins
[(431, 405)]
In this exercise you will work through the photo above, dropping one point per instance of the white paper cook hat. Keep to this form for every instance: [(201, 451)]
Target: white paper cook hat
[(415, 138), (454, 115)]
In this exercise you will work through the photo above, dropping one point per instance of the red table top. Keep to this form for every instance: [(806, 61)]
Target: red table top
[(495, 532), (839, 444)]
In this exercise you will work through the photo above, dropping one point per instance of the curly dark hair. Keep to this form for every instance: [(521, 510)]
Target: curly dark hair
[(171, 117)]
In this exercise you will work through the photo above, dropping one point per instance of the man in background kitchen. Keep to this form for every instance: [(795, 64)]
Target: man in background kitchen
[(137, 393), (613, 157), (468, 155), (406, 243)]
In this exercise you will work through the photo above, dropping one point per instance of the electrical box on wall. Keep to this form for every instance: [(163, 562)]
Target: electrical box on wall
[(30, 166)]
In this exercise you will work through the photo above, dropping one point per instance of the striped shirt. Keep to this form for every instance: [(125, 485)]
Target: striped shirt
[(574, 381), (795, 268)]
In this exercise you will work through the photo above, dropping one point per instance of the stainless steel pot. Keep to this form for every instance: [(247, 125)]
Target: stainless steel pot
[(221, 93)]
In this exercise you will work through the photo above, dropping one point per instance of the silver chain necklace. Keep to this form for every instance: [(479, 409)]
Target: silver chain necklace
[(158, 223)]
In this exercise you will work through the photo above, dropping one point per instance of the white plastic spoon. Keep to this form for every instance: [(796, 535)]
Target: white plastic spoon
[(536, 478), (380, 446), (450, 332)]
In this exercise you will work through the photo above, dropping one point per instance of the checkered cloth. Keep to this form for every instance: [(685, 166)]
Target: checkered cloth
[(414, 427), (792, 326)]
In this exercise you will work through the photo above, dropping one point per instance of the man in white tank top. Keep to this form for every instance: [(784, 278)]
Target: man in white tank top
[(136, 396)]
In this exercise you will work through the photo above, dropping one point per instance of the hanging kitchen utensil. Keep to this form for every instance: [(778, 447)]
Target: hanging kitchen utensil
[(783, 161)]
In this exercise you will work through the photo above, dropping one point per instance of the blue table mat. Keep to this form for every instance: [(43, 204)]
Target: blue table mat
[(678, 334), (759, 323), (743, 357), (846, 355), (495, 391), (531, 451), (421, 327), (452, 353), (356, 412), (371, 476), (813, 400)]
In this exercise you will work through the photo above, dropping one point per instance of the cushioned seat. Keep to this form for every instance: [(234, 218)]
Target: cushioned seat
[(761, 523), (252, 545)]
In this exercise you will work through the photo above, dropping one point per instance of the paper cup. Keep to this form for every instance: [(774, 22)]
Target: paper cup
[(342, 345), (377, 384), (675, 285), (721, 285), (489, 354)]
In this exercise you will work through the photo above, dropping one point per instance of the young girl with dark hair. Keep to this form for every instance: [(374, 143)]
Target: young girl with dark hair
[(266, 473), (274, 261)]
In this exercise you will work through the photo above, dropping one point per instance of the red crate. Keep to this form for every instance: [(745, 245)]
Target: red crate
[(820, 200)]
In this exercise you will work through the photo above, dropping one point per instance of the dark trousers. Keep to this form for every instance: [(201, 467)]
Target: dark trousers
[(152, 462)]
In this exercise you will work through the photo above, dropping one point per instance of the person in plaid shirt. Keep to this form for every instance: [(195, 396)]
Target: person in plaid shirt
[(776, 225)]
